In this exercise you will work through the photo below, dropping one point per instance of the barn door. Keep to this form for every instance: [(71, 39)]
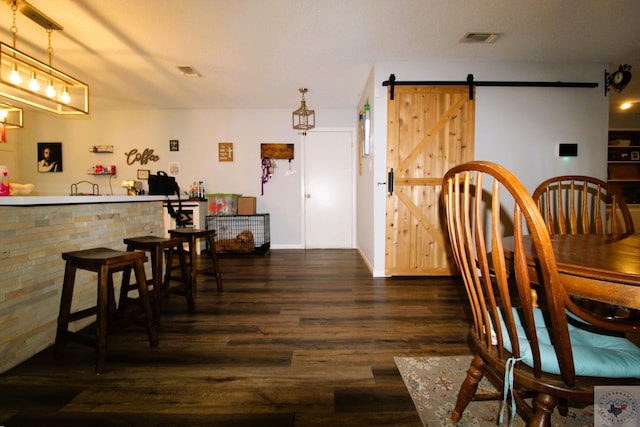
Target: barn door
[(429, 130)]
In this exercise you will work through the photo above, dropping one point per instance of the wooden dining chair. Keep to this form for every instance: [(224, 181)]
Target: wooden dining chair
[(546, 348), (578, 204)]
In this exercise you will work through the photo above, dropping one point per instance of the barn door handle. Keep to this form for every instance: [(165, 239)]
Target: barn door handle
[(390, 182)]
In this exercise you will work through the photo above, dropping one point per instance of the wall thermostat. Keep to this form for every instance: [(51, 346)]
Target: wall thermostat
[(568, 150)]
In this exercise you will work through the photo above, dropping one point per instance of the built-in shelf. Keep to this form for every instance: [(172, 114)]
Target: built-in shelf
[(623, 167)]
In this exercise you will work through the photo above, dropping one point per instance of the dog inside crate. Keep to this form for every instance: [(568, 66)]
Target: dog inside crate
[(243, 242)]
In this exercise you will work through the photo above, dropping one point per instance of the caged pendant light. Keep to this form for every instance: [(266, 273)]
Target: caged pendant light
[(30, 81), (304, 119)]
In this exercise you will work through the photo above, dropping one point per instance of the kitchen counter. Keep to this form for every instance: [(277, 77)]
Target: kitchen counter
[(76, 200), (34, 232)]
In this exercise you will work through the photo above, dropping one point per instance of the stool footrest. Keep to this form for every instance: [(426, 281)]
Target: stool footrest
[(82, 314)]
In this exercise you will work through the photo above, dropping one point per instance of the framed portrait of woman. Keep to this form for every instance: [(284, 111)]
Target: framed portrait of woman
[(49, 157)]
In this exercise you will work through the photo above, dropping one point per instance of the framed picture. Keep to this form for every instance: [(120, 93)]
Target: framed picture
[(49, 156), (635, 155), (143, 173), (174, 145), (174, 169), (225, 151)]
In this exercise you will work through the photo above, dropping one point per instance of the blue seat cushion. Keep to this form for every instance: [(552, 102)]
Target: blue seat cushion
[(594, 354)]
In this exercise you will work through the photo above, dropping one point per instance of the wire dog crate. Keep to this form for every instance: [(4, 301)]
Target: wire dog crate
[(241, 233)]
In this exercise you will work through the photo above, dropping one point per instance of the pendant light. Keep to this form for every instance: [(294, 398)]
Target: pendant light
[(304, 119), (22, 76)]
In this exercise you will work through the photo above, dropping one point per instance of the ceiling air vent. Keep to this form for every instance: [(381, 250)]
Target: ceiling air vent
[(188, 71), (480, 37)]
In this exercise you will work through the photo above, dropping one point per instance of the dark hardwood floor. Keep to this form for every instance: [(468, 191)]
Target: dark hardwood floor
[(297, 338)]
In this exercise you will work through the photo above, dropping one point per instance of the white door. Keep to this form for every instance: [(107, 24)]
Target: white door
[(329, 194)]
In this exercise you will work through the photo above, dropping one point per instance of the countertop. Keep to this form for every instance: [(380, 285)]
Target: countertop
[(76, 200)]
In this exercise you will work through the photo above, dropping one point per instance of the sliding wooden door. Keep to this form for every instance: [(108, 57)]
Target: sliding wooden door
[(430, 130)]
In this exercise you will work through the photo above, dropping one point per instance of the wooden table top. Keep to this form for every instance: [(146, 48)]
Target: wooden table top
[(598, 266)]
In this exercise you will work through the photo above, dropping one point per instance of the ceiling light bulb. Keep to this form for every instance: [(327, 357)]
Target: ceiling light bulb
[(625, 106), (34, 86), (50, 91), (65, 96), (14, 77)]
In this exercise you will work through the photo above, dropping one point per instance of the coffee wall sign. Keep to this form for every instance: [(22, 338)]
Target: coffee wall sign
[(143, 158)]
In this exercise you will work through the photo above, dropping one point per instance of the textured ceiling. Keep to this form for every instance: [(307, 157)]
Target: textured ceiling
[(257, 53)]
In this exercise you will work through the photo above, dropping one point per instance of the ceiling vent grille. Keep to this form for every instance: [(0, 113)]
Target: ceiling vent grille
[(480, 37), (188, 71)]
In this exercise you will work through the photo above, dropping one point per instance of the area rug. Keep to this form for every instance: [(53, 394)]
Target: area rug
[(433, 383)]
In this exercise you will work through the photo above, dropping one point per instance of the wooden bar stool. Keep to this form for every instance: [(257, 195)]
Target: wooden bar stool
[(192, 235), (161, 286), (105, 262)]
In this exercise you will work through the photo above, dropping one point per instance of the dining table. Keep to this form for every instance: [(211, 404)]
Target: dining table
[(601, 267)]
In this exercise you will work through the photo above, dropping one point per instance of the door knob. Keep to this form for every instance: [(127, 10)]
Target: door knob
[(308, 196)]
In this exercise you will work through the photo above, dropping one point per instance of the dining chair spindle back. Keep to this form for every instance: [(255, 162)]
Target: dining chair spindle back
[(578, 204)]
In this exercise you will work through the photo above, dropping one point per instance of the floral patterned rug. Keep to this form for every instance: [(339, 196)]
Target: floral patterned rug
[(433, 383)]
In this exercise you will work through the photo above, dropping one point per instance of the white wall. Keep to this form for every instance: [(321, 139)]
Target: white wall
[(517, 127), (198, 132)]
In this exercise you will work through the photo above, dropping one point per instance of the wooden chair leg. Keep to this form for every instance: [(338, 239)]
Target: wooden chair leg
[(65, 308), (563, 407), (111, 297), (168, 267), (101, 320), (214, 260), (143, 291), (468, 388), (543, 405), (157, 258), (125, 288), (192, 261), (188, 286)]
